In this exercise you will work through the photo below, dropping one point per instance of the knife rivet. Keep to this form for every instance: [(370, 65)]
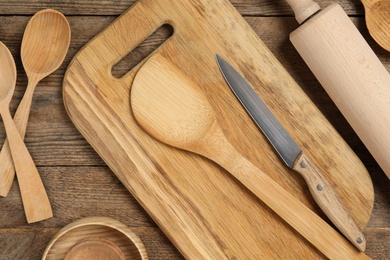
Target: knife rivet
[(303, 164), (320, 187), (359, 240)]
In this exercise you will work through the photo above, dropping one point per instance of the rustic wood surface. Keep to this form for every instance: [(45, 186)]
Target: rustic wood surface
[(79, 183)]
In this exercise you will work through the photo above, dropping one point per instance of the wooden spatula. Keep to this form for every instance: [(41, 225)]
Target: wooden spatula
[(170, 107), (35, 200)]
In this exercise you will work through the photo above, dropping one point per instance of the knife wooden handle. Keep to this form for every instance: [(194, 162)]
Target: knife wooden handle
[(328, 200)]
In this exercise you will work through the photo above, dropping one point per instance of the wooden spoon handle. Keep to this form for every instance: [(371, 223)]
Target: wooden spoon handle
[(7, 170), (35, 201), (301, 218)]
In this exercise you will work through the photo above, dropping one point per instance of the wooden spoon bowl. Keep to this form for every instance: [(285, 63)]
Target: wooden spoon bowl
[(378, 21), (183, 118), (7, 74), (45, 43)]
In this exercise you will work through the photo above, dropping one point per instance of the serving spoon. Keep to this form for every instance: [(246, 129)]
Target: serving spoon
[(35, 201), (173, 109), (44, 46), (378, 21)]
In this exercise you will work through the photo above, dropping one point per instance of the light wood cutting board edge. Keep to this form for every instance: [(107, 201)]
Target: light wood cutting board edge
[(102, 137)]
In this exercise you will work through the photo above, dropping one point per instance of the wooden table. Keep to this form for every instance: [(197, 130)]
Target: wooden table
[(79, 183)]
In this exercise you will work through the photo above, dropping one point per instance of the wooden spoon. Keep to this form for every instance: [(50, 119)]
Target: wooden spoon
[(378, 21), (35, 201), (170, 107), (44, 47)]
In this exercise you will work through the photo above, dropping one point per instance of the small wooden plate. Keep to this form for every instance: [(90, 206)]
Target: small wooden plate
[(95, 238)]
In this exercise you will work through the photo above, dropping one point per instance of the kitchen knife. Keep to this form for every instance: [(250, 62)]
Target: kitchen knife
[(292, 155)]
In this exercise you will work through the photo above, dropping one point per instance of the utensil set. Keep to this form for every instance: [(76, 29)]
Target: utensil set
[(196, 129), (44, 46), (168, 105), (193, 125)]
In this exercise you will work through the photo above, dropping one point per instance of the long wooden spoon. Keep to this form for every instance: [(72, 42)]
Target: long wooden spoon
[(35, 201), (378, 21), (170, 107), (44, 47)]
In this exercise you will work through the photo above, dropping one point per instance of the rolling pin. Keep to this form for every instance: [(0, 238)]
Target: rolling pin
[(348, 70)]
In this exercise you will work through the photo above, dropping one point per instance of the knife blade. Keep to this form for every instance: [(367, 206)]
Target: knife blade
[(292, 154)]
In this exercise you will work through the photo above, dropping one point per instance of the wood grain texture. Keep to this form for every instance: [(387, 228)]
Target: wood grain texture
[(35, 201), (328, 200), (114, 134), (193, 127), (378, 21), (96, 238), (77, 180), (97, 7)]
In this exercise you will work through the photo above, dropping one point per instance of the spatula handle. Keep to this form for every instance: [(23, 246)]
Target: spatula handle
[(331, 243), (303, 9), (7, 170), (35, 200)]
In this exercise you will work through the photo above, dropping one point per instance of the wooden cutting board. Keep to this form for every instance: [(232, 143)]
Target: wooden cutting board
[(204, 211)]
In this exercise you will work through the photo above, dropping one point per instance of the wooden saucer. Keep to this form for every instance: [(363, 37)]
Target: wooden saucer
[(95, 238)]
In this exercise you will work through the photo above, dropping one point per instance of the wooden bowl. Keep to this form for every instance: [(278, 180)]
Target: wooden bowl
[(95, 238)]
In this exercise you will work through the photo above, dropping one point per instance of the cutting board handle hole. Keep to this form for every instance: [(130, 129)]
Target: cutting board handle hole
[(150, 44)]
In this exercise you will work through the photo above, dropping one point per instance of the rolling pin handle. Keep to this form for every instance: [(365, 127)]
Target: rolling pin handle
[(303, 9)]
